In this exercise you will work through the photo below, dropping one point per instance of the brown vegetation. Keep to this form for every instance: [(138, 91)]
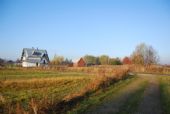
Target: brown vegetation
[(104, 79), (156, 69), (104, 76), (100, 78)]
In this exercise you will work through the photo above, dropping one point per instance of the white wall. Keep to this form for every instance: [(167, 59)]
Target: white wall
[(26, 64)]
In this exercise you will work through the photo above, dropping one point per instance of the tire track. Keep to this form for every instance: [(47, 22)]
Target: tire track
[(120, 97), (151, 103)]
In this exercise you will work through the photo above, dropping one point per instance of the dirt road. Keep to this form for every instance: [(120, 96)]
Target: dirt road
[(149, 103)]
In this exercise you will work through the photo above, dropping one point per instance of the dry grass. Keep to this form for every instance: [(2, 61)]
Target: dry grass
[(53, 94), (156, 69), (101, 81), (165, 93)]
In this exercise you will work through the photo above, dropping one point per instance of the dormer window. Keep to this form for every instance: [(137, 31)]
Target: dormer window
[(37, 53)]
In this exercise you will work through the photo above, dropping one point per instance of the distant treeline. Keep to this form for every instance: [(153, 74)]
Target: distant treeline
[(89, 59), (142, 55)]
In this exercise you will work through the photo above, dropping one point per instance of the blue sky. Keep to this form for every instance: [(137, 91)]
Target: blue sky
[(73, 28)]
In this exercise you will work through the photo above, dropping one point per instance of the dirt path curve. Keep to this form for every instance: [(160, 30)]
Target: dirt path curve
[(150, 103), (119, 98)]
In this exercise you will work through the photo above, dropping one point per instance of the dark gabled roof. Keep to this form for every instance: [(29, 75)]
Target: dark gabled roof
[(34, 52), (34, 55)]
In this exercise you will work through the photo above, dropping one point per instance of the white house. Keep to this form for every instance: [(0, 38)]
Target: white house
[(34, 57)]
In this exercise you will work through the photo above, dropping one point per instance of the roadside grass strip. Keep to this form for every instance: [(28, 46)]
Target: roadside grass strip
[(112, 93), (165, 93)]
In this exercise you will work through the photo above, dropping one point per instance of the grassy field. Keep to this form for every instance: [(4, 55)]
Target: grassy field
[(132, 88), (144, 94), (37, 73), (31, 90), (20, 86), (82, 90), (165, 93)]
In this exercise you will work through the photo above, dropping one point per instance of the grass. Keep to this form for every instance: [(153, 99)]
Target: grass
[(35, 90), (72, 90), (112, 92), (165, 93), (7, 74), (21, 86), (132, 103)]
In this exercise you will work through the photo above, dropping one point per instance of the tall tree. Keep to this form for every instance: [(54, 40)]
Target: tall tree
[(67, 62), (90, 59), (57, 60), (104, 59), (152, 56), (2, 62), (145, 55), (115, 61)]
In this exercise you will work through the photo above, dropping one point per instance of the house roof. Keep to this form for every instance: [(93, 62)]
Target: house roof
[(34, 52), (34, 55)]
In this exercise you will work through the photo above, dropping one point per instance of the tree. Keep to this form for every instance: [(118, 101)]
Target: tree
[(145, 55), (152, 56), (57, 60), (104, 59), (2, 62), (67, 62), (118, 61), (97, 61), (126, 60), (18, 60), (137, 59), (91, 60), (113, 61)]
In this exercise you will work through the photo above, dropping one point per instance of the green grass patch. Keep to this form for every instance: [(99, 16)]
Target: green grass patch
[(132, 103), (22, 89), (165, 93), (28, 74), (20, 86), (100, 96)]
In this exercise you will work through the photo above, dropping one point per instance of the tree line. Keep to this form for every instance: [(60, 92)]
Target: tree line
[(143, 54), (89, 59)]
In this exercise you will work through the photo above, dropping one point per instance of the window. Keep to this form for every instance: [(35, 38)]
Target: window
[(43, 61), (37, 64)]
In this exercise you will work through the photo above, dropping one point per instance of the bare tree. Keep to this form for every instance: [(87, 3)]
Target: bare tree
[(104, 59), (57, 60), (90, 59), (2, 62), (152, 56), (145, 55)]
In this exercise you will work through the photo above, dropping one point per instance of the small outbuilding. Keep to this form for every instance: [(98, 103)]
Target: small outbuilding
[(32, 57), (79, 63)]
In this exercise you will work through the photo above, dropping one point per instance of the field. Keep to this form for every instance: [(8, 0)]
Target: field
[(86, 90), (165, 93), (36, 89), (22, 86)]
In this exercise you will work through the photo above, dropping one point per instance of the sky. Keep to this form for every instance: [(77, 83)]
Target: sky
[(74, 28)]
